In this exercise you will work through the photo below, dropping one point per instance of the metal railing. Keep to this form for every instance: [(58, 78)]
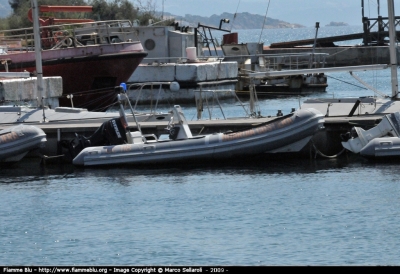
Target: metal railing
[(70, 35), (283, 61)]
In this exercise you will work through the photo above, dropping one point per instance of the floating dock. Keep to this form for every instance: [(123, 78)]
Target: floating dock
[(342, 56)]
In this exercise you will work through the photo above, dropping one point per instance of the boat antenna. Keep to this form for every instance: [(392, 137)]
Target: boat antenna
[(38, 50), (265, 18), (234, 16)]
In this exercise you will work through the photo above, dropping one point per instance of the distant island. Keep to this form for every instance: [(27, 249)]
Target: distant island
[(336, 24), (242, 20)]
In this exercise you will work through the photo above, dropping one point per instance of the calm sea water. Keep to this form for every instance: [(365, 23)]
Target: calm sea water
[(343, 211), (269, 36)]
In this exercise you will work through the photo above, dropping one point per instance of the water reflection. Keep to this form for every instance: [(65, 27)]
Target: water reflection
[(31, 169)]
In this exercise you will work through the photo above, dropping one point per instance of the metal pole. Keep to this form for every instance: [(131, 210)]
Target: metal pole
[(123, 87), (392, 49), (316, 34), (38, 49), (362, 8), (315, 43), (162, 13), (379, 9)]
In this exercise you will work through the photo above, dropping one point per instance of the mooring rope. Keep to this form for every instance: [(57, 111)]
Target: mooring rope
[(347, 82), (317, 151)]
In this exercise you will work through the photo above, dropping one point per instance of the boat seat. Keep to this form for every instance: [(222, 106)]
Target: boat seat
[(134, 137)]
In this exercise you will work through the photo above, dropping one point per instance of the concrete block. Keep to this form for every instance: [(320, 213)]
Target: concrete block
[(191, 72), (227, 70), (153, 73), (210, 71), (26, 89), (188, 72)]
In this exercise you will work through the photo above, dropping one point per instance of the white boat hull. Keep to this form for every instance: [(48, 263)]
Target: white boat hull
[(381, 141), (65, 115), (382, 147)]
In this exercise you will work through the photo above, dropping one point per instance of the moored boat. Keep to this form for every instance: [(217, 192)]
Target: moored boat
[(367, 110), (61, 123), (12, 115), (90, 65), (251, 59), (17, 141), (113, 143), (381, 141)]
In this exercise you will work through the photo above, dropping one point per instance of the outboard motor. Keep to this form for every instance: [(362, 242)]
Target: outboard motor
[(358, 138), (112, 132)]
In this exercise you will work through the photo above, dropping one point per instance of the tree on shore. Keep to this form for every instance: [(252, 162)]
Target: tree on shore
[(142, 11), (116, 10), (20, 8)]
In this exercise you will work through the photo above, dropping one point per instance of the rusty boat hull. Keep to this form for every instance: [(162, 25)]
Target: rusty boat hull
[(89, 72)]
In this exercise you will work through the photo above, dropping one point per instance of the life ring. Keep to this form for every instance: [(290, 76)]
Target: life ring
[(67, 42)]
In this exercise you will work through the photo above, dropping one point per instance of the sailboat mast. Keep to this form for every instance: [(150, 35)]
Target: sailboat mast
[(392, 49), (38, 50)]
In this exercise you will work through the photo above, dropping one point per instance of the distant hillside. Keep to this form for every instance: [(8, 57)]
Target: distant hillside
[(243, 20)]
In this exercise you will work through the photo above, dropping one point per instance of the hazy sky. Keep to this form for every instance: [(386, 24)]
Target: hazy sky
[(305, 12)]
